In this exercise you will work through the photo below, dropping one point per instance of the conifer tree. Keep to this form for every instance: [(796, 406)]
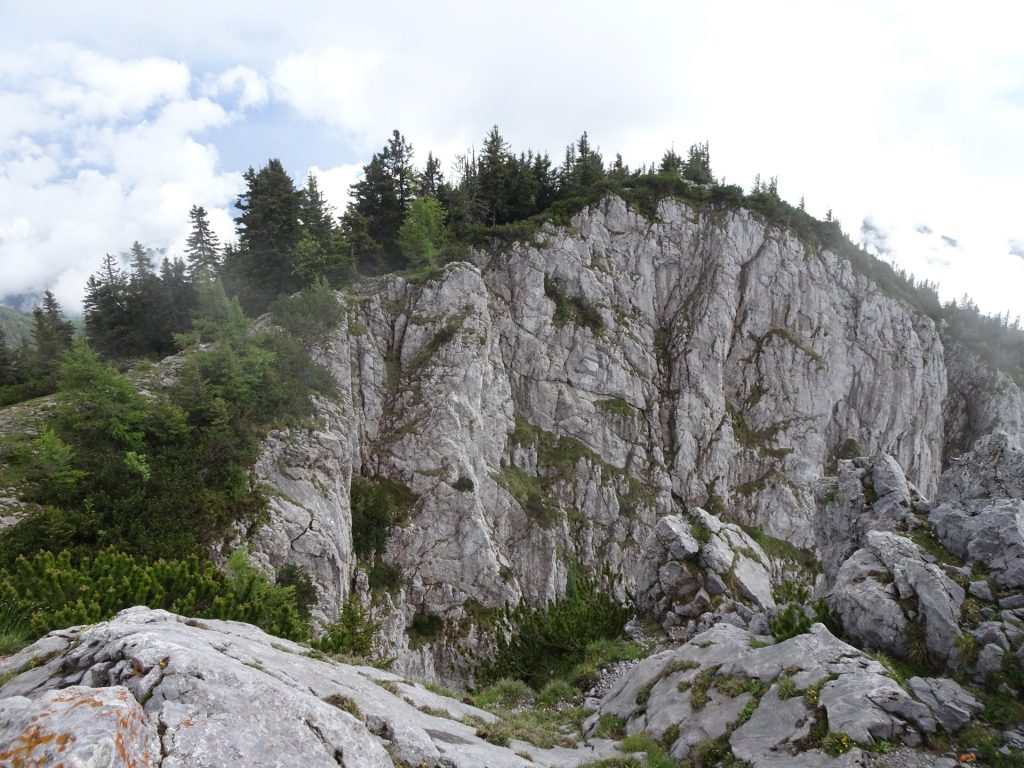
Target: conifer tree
[(582, 169), (202, 249), (698, 164), (321, 251), (52, 335), (107, 308), (493, 177), (379, 202), (8, 372), (269, 229), (421, 236), (432, 179), (671, 162)]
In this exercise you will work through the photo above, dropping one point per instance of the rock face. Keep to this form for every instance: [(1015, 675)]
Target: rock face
[(923, 580), (553, 401), (764, 701), (688, 561), (150, 688)]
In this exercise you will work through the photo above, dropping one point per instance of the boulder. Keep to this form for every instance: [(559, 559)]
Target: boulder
[(678, 571)]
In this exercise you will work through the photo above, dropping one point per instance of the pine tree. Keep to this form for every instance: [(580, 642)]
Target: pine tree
[(52, 335), (432, 179), (107, 313), (618, 170), (379, 202), (202, 249), (671, 162), (269, 229), (146, 333), (493, 176), (179, 296), (8, 372), (421, 236), (582, 169), (698, 164), (321, 252)]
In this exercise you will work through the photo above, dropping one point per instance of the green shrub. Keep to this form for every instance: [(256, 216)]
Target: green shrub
[(377, 504), (576, 310), (425, 628), (52, 591), (539, 644), (345, 704), (464, 484), (504, 694), (610, 727), (554, 692), (351, 634), (311, 314), (836, 744), (15, 632), (616, 405), (185, 456), (290, 575), (793, 620)]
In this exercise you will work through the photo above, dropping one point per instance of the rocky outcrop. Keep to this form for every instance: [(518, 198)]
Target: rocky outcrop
[(690, 563), (980, 400), (927, 580), (551, 401), (151, 688), (763, 701), (77, 726)]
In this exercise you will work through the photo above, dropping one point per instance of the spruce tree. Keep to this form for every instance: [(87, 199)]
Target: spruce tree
[(8, 372), (494, 176), (322, 253), (698, 164), (202, 249), (269, 229), (379, 202), (432, 179), (107, 309), (52, 335)]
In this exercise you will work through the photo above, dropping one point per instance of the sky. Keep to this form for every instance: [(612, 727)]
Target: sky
[(904, 119)]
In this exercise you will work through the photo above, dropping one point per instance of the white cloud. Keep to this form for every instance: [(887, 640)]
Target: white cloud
[(334, 183), (905, 114), (108, 155), (245, 81), (97, 86)]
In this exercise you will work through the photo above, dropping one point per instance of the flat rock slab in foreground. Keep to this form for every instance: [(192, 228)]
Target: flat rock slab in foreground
[(150, 688)]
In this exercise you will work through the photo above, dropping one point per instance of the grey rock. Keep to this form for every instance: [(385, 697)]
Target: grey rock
[(861, 700), (990, 533), (773, 730), (225, 693), (844, 701), (993, 469), (1014, 739), (676, 575), (952, 706), (77, 727), (989, 664), (771, 356), (1012, 601), (877, 580), (981, 590), (992, 633)]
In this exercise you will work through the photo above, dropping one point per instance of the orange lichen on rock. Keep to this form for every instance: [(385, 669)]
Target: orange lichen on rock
[(71, 726)]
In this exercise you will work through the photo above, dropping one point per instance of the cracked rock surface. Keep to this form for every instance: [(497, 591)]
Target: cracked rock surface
[(724, 364), (765, 699), (158, 689)]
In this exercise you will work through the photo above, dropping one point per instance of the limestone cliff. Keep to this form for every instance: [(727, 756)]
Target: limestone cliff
[(552, 400)]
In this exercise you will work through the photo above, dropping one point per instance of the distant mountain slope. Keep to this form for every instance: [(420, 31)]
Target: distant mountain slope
[(15, 325)]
